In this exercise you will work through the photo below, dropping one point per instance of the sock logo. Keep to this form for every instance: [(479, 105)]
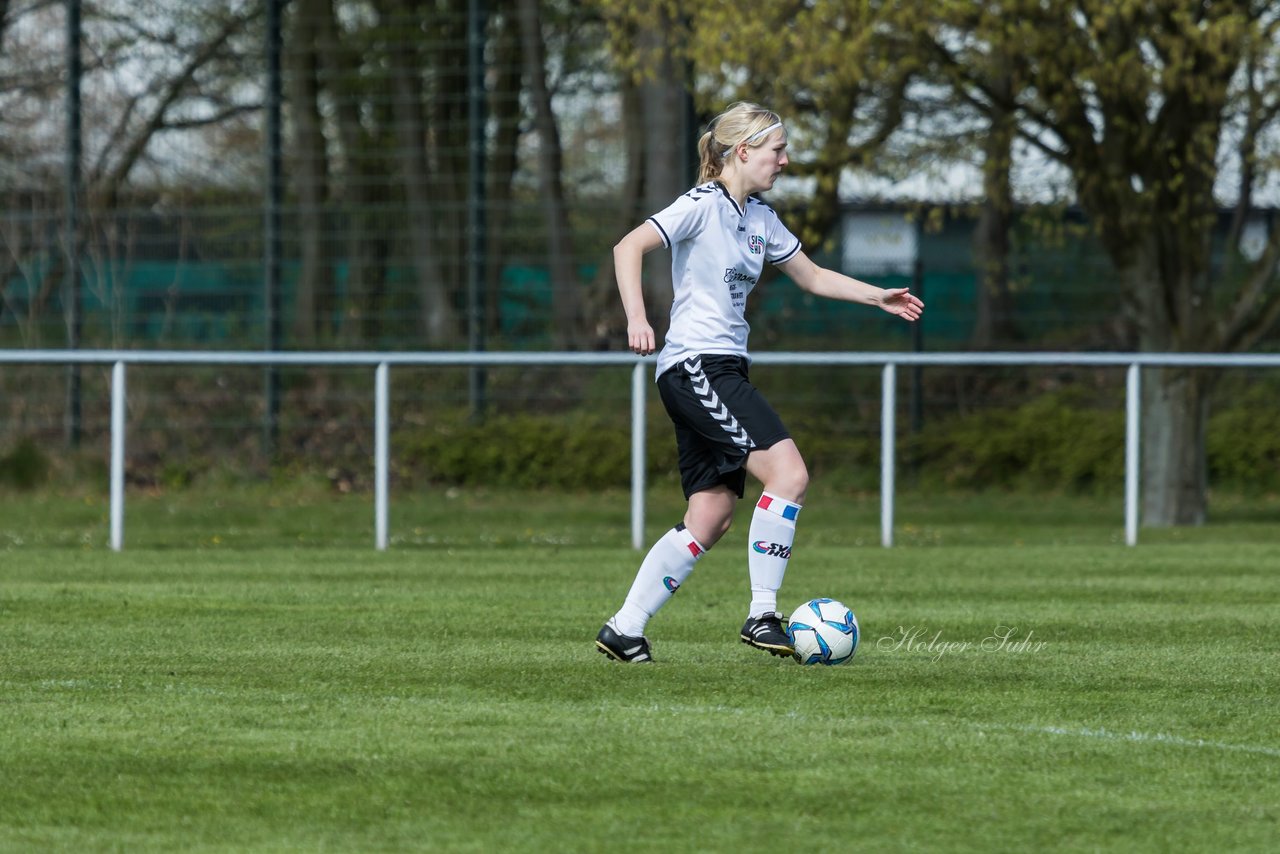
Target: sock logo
[(671, 584), (765, 547)]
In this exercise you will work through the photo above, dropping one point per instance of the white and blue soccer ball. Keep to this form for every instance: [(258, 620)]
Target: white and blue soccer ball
[(823, 631)]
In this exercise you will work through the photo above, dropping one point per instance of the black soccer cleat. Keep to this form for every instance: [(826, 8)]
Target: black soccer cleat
[(766, 632), (623, 648)]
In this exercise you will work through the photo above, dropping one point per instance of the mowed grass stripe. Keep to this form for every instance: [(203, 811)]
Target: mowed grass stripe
[(277, 699)]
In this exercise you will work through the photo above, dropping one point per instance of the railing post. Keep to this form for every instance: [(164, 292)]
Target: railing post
[(381, 452), (638, 382), (1132, 453), (888, 429), (117, 456)]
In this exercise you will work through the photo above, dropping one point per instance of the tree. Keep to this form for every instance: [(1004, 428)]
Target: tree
[(379, 115), (651, 45), (566, 313), (151, 81), (439, 319), (352, 55), (837, 70), (30, 78), (310, 168), (991, 240), (1140, 101), (505, 112)]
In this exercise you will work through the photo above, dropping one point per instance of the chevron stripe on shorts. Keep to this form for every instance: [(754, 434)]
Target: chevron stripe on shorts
[(715, 407)]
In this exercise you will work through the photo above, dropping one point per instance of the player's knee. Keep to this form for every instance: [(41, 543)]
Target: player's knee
[(708, 525), (717, 526), (790, 482), (802, 484)]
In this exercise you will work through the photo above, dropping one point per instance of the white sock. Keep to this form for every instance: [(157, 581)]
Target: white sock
[(663, 570), (773, 530)]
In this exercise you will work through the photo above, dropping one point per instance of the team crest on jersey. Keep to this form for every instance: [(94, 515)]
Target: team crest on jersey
[(755, 244)]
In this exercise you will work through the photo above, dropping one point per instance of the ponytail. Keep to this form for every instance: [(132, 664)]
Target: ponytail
[(710, 163)]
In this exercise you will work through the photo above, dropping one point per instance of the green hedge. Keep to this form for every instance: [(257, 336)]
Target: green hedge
[(1243, 441), (1061, 441), (570, 451), (25, 466)]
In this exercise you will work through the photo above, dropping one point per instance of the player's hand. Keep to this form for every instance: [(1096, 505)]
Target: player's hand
[(900, 302), (640, 338)]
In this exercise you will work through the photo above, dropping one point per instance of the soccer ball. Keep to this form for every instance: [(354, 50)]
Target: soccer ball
[(823, 631)]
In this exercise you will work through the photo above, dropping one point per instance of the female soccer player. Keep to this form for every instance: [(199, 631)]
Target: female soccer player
[(720, 235)]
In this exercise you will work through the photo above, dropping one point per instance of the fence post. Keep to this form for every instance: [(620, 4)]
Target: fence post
[(73, 293), (477, 224), (638, 383), (272, 238), (117, 456), (381, 452), (1132, 453), (888, 402)]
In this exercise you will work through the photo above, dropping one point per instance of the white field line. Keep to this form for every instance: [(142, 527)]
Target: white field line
[(1139, 737), (1100, 733)]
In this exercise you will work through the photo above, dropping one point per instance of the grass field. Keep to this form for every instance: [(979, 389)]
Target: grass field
[(249, 674)]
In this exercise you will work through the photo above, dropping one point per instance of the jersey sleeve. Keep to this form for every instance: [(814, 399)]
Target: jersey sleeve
[(781, 244), (682, 219)]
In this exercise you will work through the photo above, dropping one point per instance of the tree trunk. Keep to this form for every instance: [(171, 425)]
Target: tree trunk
[(565, 293), (602, 305), (1175, 401), (450, 139), (438, 319), (505, 114), (1164, 295), (310, 167), (365, 247), (662, 108), (993, 321), (993, 324), (1175, 412)]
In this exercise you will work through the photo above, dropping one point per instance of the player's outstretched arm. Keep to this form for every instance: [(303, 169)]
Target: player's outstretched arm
[(628, 258), (822, 282)]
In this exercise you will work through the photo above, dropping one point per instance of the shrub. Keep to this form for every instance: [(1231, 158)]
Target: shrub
[(1243, 444), (573, 451), (1060, 440), (25, 467)]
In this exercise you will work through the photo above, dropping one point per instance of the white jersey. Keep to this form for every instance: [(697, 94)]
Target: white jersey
[(718, 251)]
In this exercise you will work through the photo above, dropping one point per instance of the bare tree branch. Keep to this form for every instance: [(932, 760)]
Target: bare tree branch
[(172, 91)]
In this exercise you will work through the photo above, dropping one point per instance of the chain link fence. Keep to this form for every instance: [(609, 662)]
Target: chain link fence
[(448, 175)]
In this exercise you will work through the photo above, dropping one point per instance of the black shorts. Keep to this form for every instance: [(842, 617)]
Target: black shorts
[(719, 417)]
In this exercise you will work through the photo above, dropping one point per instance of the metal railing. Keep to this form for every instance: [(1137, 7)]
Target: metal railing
[(641, 378)]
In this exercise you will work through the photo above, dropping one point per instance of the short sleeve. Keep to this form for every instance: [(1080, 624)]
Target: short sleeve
[(683, 218), (782, 245)]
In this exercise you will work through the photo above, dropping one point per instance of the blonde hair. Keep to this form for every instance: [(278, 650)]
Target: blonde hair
[(739, 123)]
